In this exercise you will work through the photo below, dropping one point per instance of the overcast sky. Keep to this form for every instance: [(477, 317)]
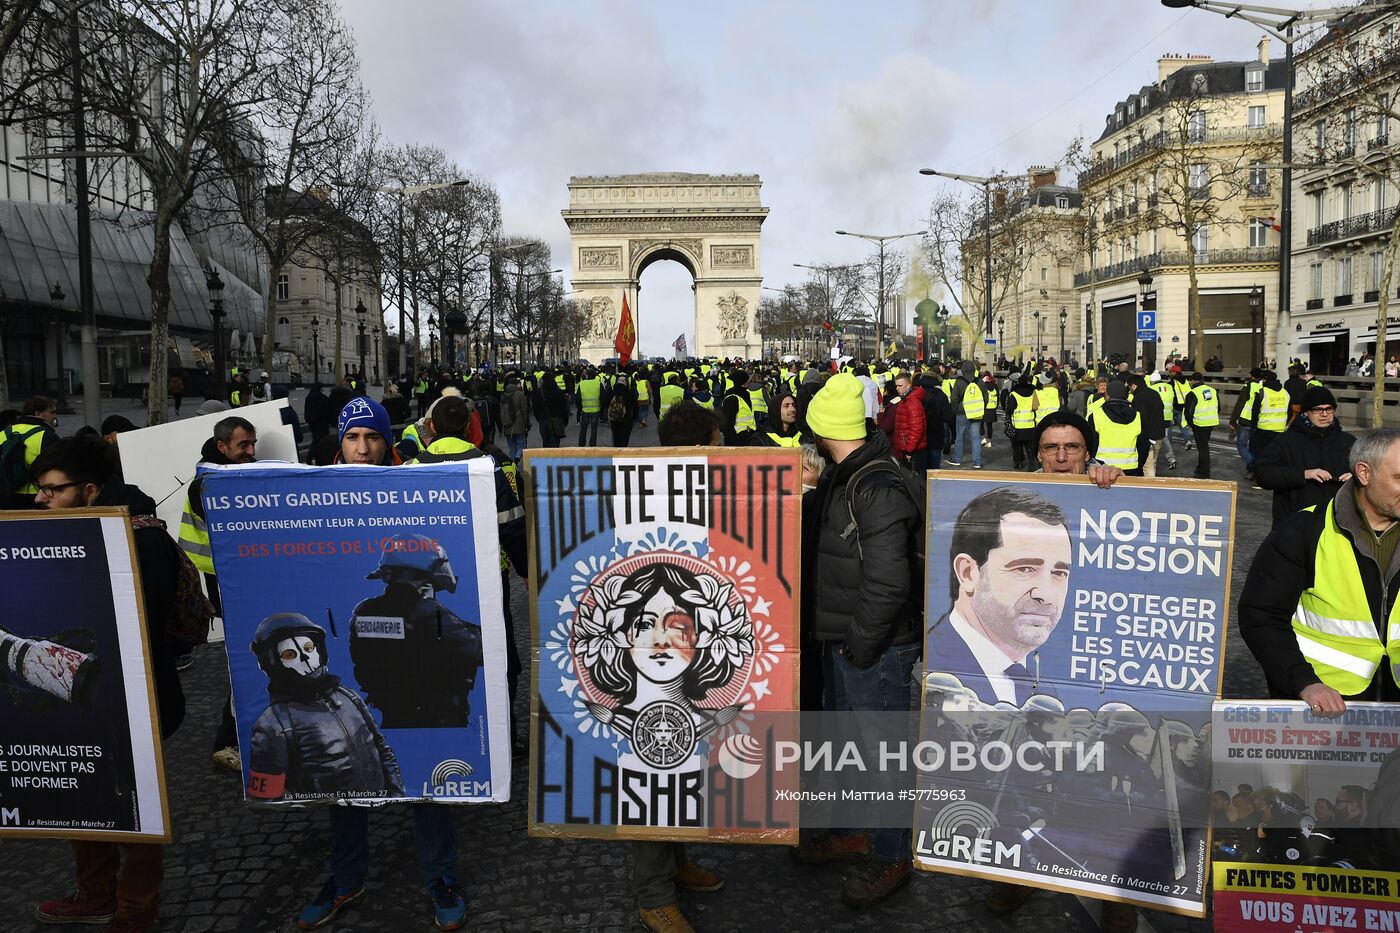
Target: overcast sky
[(836, 105)]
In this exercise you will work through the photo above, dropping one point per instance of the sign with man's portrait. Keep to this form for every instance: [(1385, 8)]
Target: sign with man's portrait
[(665, 613), (1074, 645)]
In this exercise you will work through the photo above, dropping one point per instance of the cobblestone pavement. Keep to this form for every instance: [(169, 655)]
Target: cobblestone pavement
[(231, 869)]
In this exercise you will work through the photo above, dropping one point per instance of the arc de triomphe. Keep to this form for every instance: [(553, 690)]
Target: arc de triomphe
[(710, 224)]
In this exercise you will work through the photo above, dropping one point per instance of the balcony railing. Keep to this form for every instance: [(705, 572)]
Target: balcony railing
[(1314, 304), (1258, 191), (1152, 202), (1379, 141), (1119, 213), (1178, 257), (1359, 225), (1341, 301), (1161, 140), (1200, 192), (1133, 209), (1343, 78), (1372, 295)]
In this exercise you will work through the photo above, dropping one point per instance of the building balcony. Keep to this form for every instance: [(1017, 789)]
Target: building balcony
[(1379, 142), (1178, 257), (1257, 191), (1361, 225), (1152, 202), (1150, 145), (1341, 301), (1314, 304), (1200, 193), (1133, 209), (1119, 213), (1342, 79), (1372, 295)]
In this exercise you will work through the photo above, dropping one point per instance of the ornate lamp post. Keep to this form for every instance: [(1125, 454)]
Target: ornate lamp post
[(56, 295), (1149, 347), (215, 285), (1256, 308), (1038, 322), (375, 332), (1001, 335), (360, 313), (315, 350), (1064, 316), (432, 341)]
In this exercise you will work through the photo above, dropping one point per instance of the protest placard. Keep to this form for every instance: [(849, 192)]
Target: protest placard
[(665, 587), (80, 752), (366, 635), (1074, 646), (1307, 817)]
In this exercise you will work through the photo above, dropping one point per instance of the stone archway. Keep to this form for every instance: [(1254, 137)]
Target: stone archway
[(619, 225)]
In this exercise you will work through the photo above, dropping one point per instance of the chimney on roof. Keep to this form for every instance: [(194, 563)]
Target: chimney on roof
[(1264, 49), (1040, 175), (1170, 64), (320, 193)]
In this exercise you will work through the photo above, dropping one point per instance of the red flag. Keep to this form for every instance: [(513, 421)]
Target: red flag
[(626, 340)]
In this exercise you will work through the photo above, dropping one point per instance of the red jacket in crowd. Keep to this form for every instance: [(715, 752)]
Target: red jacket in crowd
[(909, 424)]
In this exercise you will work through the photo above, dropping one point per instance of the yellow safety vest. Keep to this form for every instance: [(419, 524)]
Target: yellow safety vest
[(1118, 442), (590, 393), (670, 394), (992, 399), (1314, 382), (1333, 623), (1022, 417), (508, 468), (194, 538), (411, 433), (235, 398), (974, 404), (33, 440), (1093, 407), (1273, 410), (743, 419), (781, 441), (1181, 390), (708, 403), (1049, 401), (1168, 394), (947, 387), (643, 390), (1207, 411), (760, 404)]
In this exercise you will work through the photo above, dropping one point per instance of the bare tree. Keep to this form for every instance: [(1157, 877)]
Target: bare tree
[(314, 107), (35, 52), (1353, 70), (168, 82)]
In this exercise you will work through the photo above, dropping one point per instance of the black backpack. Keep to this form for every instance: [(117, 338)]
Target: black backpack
[(14, 468), (915, 486)]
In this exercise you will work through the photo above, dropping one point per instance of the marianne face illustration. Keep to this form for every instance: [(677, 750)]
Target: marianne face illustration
[(666, 645)]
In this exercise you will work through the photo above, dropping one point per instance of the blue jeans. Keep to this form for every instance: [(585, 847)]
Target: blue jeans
[(432, 836), (1182, 427), (973, 429), (1242, 434), (516, 444), (588, 423), (886, 686)]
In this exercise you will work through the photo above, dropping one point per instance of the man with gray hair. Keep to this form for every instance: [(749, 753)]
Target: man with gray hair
[(1319, 605)]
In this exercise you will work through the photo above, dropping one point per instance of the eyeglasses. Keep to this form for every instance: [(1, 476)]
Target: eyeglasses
[(48, 492), (1323, 410), (1070, 449)]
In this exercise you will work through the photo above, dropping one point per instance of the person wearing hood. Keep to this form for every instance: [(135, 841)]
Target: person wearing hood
[(1121, 431), (317, 413), (1148, 403), (970, 404), (782, 430), (939, 422), (118, 883), (515, 417), (1268, 413), (737, 414), (700, 393), (1019, 404), (1309, 462)]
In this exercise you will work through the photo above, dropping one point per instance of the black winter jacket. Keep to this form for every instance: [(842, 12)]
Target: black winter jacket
[(1301, 448), (938, 413), (1282, 569), (868, 594)]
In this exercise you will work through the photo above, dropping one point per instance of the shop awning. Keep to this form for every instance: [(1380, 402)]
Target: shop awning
[(1324, 338), (1229, 330)]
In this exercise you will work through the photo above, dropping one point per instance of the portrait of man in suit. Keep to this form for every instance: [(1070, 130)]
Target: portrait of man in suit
[(1008, 582)]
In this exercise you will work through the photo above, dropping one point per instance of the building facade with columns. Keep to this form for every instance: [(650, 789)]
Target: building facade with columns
[(1212, 132)]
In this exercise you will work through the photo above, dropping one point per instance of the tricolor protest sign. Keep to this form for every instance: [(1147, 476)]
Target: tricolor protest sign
[(664, 603)]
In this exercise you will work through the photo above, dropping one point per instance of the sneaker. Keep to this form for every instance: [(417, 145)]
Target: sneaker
[(142, 924), (828, 847), (73, 909), (668, 919), (227, 758), (956, 463), (1171, 464), (449, 906), (1005, 897), (977, 466), (694, 878), (184, 662), (874, 881), (986, 443), (327, 904), (1190, 445)]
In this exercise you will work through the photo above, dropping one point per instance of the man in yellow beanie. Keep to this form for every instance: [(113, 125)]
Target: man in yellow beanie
[(867, 608)]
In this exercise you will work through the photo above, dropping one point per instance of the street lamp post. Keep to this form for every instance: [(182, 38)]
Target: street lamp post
[(315, 351), (1001, 335), (1256, 307), (360, 313), (215, 285), (986, 185), (432, 341), (880, 241), (56, 295), (374, 331), (943, 333), (1089, 334), (1038, 322), (1064, 316), (1149, 347)]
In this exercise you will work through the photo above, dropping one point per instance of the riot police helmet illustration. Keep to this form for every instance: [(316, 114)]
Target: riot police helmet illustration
[(290, 647), (416, 560)]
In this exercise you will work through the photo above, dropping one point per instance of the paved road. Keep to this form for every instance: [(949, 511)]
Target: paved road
[(235, 870)]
